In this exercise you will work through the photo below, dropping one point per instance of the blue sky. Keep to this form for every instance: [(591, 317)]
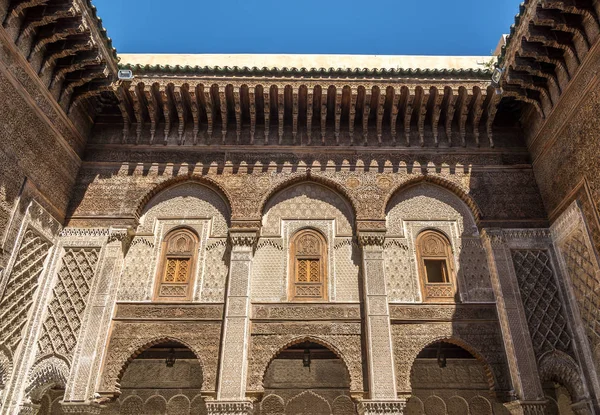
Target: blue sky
[(387, 27)]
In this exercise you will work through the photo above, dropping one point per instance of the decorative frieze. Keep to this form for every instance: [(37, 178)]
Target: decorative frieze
[(445, 312), (306, 312), (153, 311)]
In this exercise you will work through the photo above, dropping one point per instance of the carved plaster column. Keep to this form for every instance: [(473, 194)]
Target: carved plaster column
[(87, 355), (231, 399), (380, 360), (515, 332)]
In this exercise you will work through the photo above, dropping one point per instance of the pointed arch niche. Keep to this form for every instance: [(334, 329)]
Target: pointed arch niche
[(307, 377)]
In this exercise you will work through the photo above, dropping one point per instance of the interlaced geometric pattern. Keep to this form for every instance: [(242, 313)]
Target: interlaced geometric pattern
[(69, 300), (177, 270), (587, 288), (20, 289), (309, 270), (543, 307)]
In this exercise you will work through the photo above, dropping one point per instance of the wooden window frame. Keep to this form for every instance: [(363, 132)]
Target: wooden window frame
[(293, 267), (165, 255), (436, 292)]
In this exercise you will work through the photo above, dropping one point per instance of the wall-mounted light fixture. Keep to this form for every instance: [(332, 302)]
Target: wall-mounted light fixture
[(170, 360)]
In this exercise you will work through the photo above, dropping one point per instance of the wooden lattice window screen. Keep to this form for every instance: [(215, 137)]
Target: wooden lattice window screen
[(175, 273), (309, 266), (434, 256)]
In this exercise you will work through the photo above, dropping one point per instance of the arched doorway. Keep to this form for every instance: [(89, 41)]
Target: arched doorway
[(165, 379), (307, 378), (448, 380)]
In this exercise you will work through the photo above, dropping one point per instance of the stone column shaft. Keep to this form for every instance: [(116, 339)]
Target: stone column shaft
[(231, 390), (380, 360)]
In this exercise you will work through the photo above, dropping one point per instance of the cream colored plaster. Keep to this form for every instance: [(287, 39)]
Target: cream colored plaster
[(309, 61)]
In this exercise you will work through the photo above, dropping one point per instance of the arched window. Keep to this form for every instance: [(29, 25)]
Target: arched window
[(308, 261), (176, 268), (434, 256)]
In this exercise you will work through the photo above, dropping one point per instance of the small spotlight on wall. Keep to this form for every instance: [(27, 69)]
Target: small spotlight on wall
[(497, 77), (125, 74), (170, 360)]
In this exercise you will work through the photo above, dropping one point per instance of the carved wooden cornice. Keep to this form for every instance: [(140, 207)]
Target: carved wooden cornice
[(546, 46), (65, 44), (307, 111)]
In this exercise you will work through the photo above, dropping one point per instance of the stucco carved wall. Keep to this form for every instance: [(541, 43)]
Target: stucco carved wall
[(427, 206)]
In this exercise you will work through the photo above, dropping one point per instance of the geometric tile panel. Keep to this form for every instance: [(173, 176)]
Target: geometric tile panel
[(21, 287), (545, 314), (586, 286), (69, 300)]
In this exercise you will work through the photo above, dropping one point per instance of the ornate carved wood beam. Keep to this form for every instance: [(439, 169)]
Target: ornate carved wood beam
[(167, 109), (565, 23), (17, 7), (463, 113), (238, 114), (138, 111), (280, 112), (527, 95), (352, 113), (589, 12), (64, 48), (252, 101), (365, 116), (309, 113), (554, 39), (395, 98), (491, 108), (526, 80), (476, 112), (223, 109), (55, 33), (421, 106), (89, 90), (209, 106), (408, 99), (45, 15), (380, 111), (544, 54), (126, 109), (323, 115), (153, 109), (191, 101), (178, 101), (436, 99), (73, 63), (449, 108), (541, 69), (295, 98), (338, 113), (267, 111)]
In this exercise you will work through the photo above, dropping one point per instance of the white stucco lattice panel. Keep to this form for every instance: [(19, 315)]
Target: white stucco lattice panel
[(307, 201), (473, 271), (61, 328), (402, 282), (268, 271), (21, 287), (187, 201), (346, 260), (137, 273), (213, 276)]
